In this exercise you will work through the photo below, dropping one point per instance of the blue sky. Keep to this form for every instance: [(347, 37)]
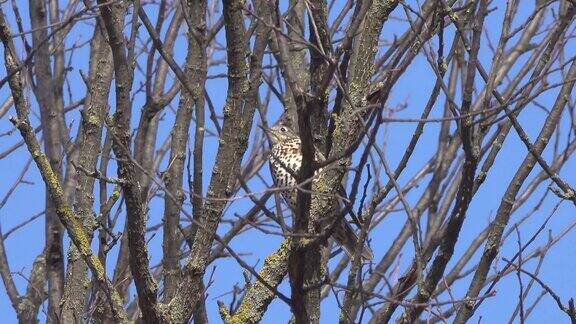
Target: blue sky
[(413, 89)]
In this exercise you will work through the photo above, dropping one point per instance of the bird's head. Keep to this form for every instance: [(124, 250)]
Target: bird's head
[(280, 133)]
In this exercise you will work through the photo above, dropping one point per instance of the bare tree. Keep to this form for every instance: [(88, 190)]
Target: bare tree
[(148, 131)]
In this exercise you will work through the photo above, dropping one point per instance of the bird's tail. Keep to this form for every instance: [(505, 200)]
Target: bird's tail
[(347, 238)]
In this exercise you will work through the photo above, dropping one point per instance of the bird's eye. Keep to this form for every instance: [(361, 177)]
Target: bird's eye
[(283, 129)]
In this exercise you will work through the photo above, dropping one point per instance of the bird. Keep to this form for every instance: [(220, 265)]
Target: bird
[(285, 159)]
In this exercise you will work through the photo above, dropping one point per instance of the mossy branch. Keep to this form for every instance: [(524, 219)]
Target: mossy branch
[(259, 296)]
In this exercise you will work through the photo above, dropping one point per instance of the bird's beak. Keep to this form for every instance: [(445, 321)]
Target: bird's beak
[(266, 130), (269, 133)]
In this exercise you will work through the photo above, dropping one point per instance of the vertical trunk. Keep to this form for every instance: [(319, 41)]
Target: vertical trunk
[(195, 73), (146, 134), (95, 109), (51, 121)]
